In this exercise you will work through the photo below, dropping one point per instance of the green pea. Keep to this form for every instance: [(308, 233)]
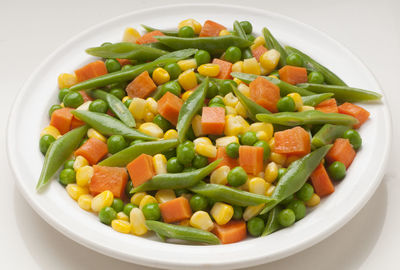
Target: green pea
[(169, 153), (188, 143), (73, 99), (180, 191), (128, 208), (294, 60), (174, 166), (198, 203), (281, 172), (44, 143), (127, 67), (163, 123), (116, 143), (316, 77), (112, 65), (212, 90), (118, 205), (226, 87), (299, 209), (136, 142), (107, 214), (237, 177), (199, 161), (128, 188), (232, 150), (173, 70), (237, 212), (98, 105), (202, 57), (255, 226), (54, 108), (128, 102), (173, 87), (249, 138), (247, 27), (354, 137), (151, 211), (69, 164), (286, 217), (265, 145), (286, 104), (216, 100), (118, 92), (305, 193), (62, 94), (250, 37), (67, 176), (337, 170), (186, 32), (217, 105), (287, 200), (185, 154), (233, 54)]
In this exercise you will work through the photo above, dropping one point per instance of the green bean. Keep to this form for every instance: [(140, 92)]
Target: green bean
[(59, 151), (314, 100), (251, 107), (273, 221), (272, 43), (165, 32), (328, 134), (246, 52), (182, 232)]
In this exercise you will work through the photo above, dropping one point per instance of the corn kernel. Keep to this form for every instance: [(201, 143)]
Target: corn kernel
[(165, 195), (171, 134), (230, 100), (237, 67), (160, 164), (262, 136), (237, 81), (270, 190), (219, 176), (79, 162), (92, 133), (66, 80), (279, 159), (243, 122), (258, 185), (151, 105), (224, 141), (204, 140), (251, 66), (138, 108), (125, 98), (271, 172), (306, 108), (271, 144), (241, 110), (266, 127), (222, 213), (50, 130), (187, 64), (206, 150), (160, 76), (230, 110), (130, 35), (151, 129), (146, 200), (258, 41), (196, 126), (185, 222), (315, 200), (138, 222), (244, 89), (252, 211), (224, 32), (297, 100), (202, 220), (84, 106), (263, 71), (291, 159), (148, 117), (210, 70), (102, 200), (137, 198), (62, 105), (186, 95), (192, 23), (121, 226), (188, 79), (269, 60), (122, 216), (85, 202), (233, 126), (83, 175)]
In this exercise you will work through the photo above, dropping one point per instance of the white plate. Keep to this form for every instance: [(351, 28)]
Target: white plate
[(29, 116)]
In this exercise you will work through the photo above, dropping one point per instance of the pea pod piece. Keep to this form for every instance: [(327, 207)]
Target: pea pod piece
[(246, 52), (165, 32), (190, 108), (296, 176), (273, 221), (116, 106), (251, 107), (182, 232), (123, 157), (230, 195), (314, 100), (328, 134), (59, 151), (177, 180), (342, 93), (330, 77), (108, 125), (272, 43), (313, 117)]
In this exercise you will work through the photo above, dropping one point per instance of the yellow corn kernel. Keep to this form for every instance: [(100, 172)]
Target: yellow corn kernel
[(219, 176), (62, 104), (146, 200), (130, 35), (206, 150), (224, 141), (102, 200), (233, 127), (192, 23), (138, 222), (262, 136), (273, 76), (243, 122), (165, 195), (245, 186), (185, 222), (84, 106), (291, 159), (186, 95), (196, 126), (270, 190), (251, 66), (244, 89), (269, 60), (230, 110), (306, 108), (160, 164), (201, 220), (204, 140), (50, 130), (137, 198), (266, 127), (138, 108), (160, 76), (224, 32), (241, 110), (252, 211), (92, 133), (230, 100), (188, 79), (171, 134), (237, 81), (125, 98), (66, 80), (121, 226), (263, 71), (237, 67), (222, 213), (271, 144), (187, 64), (271, 172), (79, 162), (258, 41), (83, 175), (315, 200), (85, 202), (151, 105), (279, 159), (151, 129), (258, 185), (210, 70), (148, 117), (122, 216), (297, 100)]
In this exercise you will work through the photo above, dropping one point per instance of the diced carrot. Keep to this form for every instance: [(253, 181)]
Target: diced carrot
[(142, 86), (149, 37), (141, 169), (61, 119), (293, 75), (211, 29), (76, 123), (175, 210), (226, 160), (108, 178), (342, 151), (93, 150), (321, 182), (294, 141), (328, 106), (251, 159), (265, 93), (169, 106), (258, 51), (213, 120), (85, 96), (91, 70), (123, 62), (356, 111), (232, 232), (225, 68)]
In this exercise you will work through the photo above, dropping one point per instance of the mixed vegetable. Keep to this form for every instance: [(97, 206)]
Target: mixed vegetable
[(201, 134)]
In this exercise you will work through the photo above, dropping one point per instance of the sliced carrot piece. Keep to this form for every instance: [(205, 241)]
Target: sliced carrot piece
[(225, 68), (342, 151), (265, 93), (108, 178), (328, 106), (169, 106), (293, 75), (211, 29), (91, 70), (294, 141), (225, 159), (361, 114), (123, 62), (321, 182), (251, 159), (149, 37), (258, 51), (141, 169), (61, 119), (175, 210), (93, 150), (213, 120), (142, 86), (232, 232)]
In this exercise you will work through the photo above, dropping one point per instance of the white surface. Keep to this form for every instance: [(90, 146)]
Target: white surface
[(369, 241)]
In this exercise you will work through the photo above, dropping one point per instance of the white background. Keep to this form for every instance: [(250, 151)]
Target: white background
[(31, 30)]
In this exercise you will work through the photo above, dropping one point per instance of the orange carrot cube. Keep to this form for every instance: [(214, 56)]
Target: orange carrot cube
[(108, 178), (356, 111), (328, 106), (226, 160), (232, 232), (225, 68), (142, 86), (293, 75), (213, 120), (175, 210), (91, 70), (211, 29), (321, 182), (93, 150), (149, 37), (169, 106), (258, 51), (294, 141), (265, 93), (141, 169), (342, 151), (251, 159), (61, 119)]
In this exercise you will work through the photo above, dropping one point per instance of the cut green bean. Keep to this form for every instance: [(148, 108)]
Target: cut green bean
[(328, 134), (273, 221), (314, 100), (272, 43), (165, 32)]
